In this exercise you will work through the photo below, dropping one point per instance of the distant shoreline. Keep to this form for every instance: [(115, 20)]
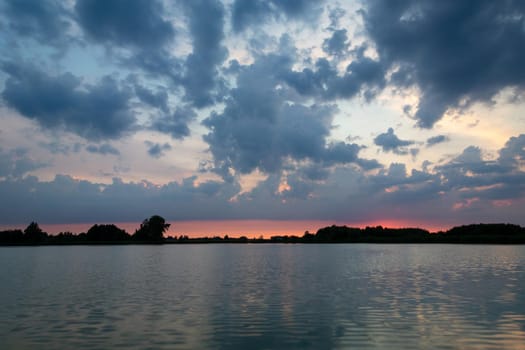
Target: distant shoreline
[(112, 235)]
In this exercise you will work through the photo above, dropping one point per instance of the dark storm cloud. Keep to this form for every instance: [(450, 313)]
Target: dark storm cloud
[(137, 26), (362, 76), (65, 199), (176, 124), (247, 13), (91, 111), (434, 140), (59, 147), (337, 44), (103, 149), (157, 99), (389, 142), (314, 173), (43, 20), (340, 153), (132, 23), (206, 22), (444, 195), (260, 128), (245, 141), (16, 163), (456, 52), (157, 150), (157, 63)]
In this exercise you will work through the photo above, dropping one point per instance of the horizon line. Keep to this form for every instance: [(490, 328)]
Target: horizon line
[(250, 228)]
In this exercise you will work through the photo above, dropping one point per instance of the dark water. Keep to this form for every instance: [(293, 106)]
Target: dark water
[(263, 297)]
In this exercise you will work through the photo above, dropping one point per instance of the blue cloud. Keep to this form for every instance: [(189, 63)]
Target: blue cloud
[(175, 124), (16, 163), (94, 112), (260, 128), (363, 75), (337, 44), (157, 150), (247, 13), (103, 149), (389, 142), (456, 52), (157, 99), (43, 20), (132, 23), (206, 22), (434, 140)]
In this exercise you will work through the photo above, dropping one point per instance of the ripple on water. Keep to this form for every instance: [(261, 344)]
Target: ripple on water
[(263, 297)]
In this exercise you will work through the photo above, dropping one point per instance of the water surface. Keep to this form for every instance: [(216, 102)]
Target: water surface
[(270, 296)]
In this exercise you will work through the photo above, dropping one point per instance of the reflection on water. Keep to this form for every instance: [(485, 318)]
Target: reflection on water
[(263, 297)]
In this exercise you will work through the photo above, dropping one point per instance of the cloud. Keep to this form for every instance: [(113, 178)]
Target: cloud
[(260, 128), (16, 162), (247, 13), (337, 44), (156, 150), (94, 112), (176, 124), (434, 140), (271, 111), (157, 63), (464, 189), (363, 75), (103, 149), (314, 173), (158, 99), (455, 52), (60, 147), (206, 22), (389, 142), (130, 23), (513, 153), (66, 200), (42, 20), (475, 177), (135, 32), (139, 26)]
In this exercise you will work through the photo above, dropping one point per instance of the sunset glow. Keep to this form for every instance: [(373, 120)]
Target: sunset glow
[(262, 174), (218, 115), (238, 228)]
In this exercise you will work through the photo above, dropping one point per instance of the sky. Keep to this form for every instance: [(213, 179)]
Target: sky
[(401, 113)]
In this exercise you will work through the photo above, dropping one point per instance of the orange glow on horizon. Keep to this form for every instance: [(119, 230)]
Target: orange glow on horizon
[(268, 228), (237, 228)]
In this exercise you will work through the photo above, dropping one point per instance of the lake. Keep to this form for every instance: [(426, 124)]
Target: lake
[(263, 296)]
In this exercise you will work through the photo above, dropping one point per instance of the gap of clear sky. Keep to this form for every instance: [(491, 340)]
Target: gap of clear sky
[(215, 114)]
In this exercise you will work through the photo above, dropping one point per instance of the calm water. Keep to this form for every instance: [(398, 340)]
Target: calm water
[(263, 297)]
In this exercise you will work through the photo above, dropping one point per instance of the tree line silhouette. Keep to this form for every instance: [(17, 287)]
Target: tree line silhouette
[(153, 230), (150, 231)]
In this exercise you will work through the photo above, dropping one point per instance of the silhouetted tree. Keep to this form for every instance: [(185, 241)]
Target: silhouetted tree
[(152, 229), (106, 233), (34, 233)]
